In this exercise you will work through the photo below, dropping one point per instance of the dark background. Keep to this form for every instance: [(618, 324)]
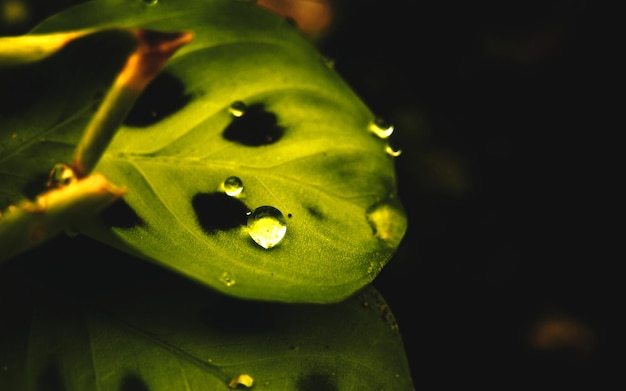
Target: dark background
[(504, 278)]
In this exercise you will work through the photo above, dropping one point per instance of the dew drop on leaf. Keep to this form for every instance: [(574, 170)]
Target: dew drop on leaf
[(387, 222), (61, 175), (237, 109), (380, 128), (267, 226), (392, 150), (241, 380), (232, 186), (227, 279)]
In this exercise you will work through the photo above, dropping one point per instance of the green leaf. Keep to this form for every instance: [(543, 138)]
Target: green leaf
[(172, 337), (303, 146)]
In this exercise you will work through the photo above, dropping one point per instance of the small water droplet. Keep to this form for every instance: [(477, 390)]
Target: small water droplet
[(61, 175), (267, 226), (227, 279), (232, 186), (329, 62), (237, 109), (392, 150), (380, 128), (241, 380), (150, 2)]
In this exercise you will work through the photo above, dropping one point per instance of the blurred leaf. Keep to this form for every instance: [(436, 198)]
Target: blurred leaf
[(175, 337), (302, 146)]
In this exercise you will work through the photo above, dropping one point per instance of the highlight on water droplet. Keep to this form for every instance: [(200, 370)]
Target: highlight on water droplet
[(61, 175), (267, 226), (392, 150), (380, 128), (237, 109), (150, 2), (232, 186), (227, 279), (388, 222)]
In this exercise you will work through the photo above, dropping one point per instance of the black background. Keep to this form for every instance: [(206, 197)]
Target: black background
[(498, 109)]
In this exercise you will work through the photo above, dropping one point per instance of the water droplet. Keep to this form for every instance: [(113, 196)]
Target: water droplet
[(388, 222), (267, 226), (61, 175), (329, 62), (237, 109), (232, 186), (241, 380), (392, 150), (150, 2), (380, 128), (227, 279)]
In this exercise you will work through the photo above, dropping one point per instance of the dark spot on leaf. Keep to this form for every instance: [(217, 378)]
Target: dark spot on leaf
[(316, 382), (133, 382), (120, 215), (232, 315), (36, 186), (164, 96), (50, 379), (218, 211), (314, 211), (256, 127), (289, 215)]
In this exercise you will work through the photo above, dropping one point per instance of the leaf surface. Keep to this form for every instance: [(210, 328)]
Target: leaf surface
[(299, 142), (184, 337)]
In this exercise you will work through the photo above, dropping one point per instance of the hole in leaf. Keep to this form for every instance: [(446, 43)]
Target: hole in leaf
[(120, 215), (164, 96), (218, 211), (316, 382), (256, 127)]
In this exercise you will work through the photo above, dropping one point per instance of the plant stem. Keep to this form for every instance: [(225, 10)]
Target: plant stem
[(153, 50)]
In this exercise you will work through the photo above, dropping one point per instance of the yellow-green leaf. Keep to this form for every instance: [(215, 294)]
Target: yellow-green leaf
[(249, 98)]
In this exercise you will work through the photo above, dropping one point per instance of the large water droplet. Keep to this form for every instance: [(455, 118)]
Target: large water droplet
[(232, 186), (227, 279), (380, 128), (388, 222), (267, 226), (61, 175), (237, 109)]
